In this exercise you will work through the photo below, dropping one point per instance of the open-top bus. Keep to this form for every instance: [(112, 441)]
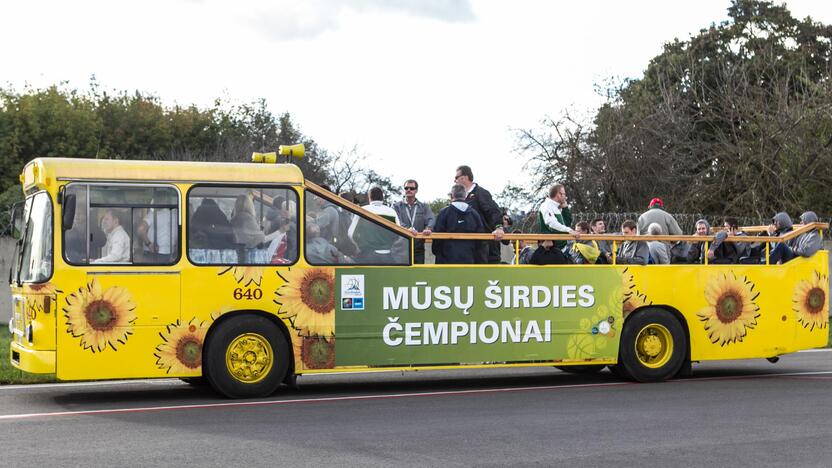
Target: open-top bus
[(225, 272)]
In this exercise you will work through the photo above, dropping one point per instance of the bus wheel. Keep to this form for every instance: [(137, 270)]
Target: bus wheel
[(246, 357), (653, 346), (584, 369)]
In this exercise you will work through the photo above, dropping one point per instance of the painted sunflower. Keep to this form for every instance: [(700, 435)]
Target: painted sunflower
[(633, 301), (731, 310), (245, 275), (308, 299), (318, 352), (181, 349), (100, 318), (811, 302)]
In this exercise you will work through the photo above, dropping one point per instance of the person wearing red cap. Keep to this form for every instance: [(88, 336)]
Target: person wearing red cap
[(656, 214)]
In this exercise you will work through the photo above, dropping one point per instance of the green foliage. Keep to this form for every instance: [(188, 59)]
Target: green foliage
[(735, 120), (58, 122)]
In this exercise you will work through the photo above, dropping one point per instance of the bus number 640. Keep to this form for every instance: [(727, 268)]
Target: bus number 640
[(248, 294)]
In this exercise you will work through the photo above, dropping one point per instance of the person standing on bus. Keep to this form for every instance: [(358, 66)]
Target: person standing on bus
[(117, 247), (634, 252), (656, 214), (375, 244), (554, 216), (457, 217), (483, 204), (416, 216)]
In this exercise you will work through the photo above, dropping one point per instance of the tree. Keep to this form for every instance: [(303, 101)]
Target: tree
[(735, 120)]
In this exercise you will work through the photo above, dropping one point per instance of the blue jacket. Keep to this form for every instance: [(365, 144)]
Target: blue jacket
[(457, 217)]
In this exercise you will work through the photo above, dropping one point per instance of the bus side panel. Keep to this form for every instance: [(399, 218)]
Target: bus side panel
[(401, 316), (740, 311)]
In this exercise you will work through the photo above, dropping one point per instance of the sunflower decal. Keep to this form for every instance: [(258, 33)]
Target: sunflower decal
[(99, 317), (245, 275), (307, 298), (181, 349), (811, 302), (731, 310), (318, 352), (632, 298)]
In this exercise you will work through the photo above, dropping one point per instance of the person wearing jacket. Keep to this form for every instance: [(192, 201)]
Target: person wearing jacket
[(634, 252), (656, 214), (416, 216), (457, 217), (554, 216), (781, 252), (804, 245), (659, 250), (481, 201)]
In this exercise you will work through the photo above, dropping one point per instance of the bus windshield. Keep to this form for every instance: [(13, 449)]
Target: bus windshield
[(36, 258)]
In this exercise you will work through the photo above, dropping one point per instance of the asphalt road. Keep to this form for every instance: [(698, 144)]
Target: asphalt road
[(729, 413)]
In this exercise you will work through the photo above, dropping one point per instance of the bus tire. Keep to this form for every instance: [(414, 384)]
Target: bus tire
[(246, 357), (653, 346), (582, 369)]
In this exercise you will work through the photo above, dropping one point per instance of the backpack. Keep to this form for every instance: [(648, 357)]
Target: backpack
[(342, 239)]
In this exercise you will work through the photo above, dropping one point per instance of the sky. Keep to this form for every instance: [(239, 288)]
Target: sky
[(419, 86)]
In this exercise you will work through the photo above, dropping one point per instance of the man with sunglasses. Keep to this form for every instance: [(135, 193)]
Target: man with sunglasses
[(415, 215)]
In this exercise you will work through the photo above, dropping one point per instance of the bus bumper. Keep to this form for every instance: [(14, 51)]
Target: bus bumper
[(31, 361)]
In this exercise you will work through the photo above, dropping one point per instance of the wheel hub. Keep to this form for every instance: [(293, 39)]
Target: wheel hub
[(249, 358), (654, 345)]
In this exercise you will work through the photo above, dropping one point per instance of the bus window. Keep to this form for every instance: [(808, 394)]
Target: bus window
[(242, 226), (36, 264), (336, 236), (120, 224)]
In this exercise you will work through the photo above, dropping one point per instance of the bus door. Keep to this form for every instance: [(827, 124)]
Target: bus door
[(122, 285)]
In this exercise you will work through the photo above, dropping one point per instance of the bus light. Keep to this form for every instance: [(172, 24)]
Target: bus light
[(296, 151)]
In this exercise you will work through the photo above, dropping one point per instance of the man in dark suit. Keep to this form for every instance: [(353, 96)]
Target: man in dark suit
[(481, 201)]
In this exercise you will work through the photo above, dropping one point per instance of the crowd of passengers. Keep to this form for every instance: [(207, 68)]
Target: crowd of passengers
[(334, 235), (471, 209)]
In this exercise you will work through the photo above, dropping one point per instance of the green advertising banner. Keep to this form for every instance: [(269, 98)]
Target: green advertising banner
[(465, 315)]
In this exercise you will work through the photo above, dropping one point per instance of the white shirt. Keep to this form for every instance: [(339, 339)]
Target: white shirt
[(375, 207), (165, 218), (117, 248)]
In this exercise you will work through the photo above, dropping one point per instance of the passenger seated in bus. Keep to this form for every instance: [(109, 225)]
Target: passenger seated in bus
[(75, 239), (633, 252), (583, 251), (691, 252), (781, 252), (457, 217), (721, 252), (547, 254), (319, 251), (804, 245), (210, 229), (117, 247), (598, 226), (524, 252), (247, 231), (659, 250), (278, 248)]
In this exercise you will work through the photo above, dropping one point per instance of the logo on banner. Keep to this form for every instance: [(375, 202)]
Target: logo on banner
[(352, 292)]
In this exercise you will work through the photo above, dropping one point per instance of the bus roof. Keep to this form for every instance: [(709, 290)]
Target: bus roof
[(45, 171)]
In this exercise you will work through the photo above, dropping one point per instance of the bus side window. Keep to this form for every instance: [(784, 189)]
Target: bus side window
[(242, 226), (123, 224)]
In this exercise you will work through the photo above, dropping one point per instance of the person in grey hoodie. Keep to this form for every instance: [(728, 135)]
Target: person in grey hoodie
[(804, 245), (634, 252), (696, 250), (659, 250), (781, 252)]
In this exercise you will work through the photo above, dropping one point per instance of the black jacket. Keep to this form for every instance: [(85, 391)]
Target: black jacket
[(454, 219), (481, 201)]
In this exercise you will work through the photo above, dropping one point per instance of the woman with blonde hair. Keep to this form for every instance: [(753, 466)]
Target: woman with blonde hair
[(244, 224)]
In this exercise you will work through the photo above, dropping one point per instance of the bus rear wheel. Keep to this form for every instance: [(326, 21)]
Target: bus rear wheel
[(653, 346), (246, 357)]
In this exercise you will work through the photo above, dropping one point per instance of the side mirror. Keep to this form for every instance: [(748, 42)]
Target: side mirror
[(17, 220), (68, 217)]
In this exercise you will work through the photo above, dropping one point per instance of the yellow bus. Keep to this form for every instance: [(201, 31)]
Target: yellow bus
[(246, 275)]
